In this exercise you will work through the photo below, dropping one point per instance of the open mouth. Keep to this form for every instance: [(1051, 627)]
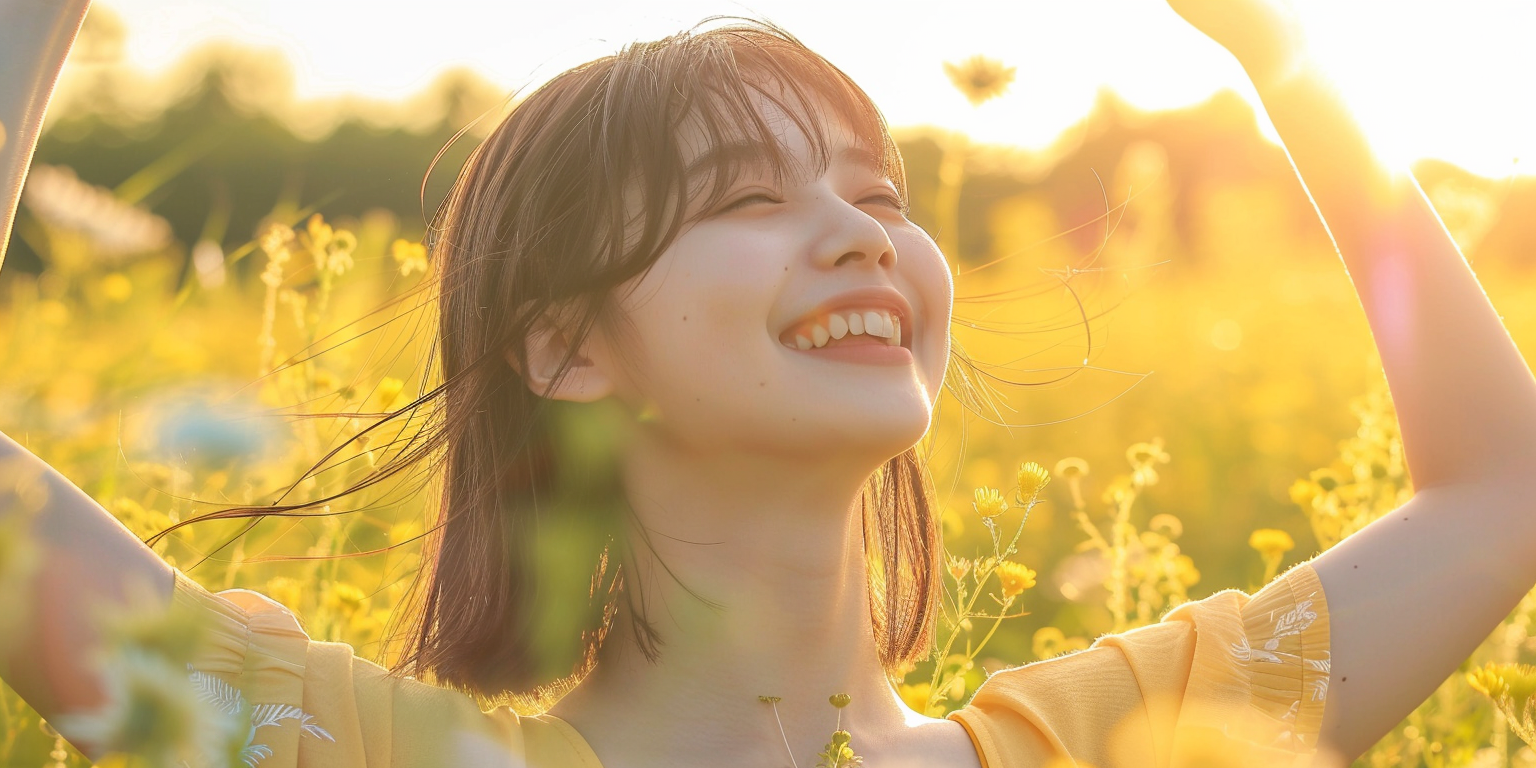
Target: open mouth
[(848, 328)]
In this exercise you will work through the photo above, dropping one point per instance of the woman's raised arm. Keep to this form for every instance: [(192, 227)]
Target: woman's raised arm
[(1414, 593), (35, 36), (87, 558)]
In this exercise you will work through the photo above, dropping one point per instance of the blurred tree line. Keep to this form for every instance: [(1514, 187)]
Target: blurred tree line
[(213, 145)]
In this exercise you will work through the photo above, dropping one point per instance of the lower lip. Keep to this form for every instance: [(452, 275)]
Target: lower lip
[(869, 354)]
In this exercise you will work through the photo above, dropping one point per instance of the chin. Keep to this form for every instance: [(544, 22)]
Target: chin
[(885, 430)]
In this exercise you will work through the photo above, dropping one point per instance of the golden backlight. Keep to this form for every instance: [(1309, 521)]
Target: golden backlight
[(1427, 78)]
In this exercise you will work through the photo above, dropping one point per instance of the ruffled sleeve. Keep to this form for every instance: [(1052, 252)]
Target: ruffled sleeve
[(1230, 680), (318, 705)]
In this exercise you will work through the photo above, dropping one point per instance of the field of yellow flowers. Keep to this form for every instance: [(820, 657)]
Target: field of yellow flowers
[(1175, 394)]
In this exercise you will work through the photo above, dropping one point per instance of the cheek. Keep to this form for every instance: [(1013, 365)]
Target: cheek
[(930, 288), (702, 314)]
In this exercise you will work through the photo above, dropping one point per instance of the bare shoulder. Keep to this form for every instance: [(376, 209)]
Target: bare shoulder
[(928, 743)]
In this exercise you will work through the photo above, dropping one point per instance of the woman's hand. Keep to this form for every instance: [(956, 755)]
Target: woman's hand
[(1414, 593), (35, 36), (1264, 35)]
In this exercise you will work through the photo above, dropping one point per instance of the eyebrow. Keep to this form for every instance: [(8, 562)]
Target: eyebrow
[(756, 155)]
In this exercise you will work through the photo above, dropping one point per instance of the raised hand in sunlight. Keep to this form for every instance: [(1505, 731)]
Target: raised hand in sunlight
[(1264, 35)]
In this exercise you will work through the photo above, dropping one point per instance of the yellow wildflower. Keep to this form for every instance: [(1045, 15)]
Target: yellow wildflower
[(289, 592), (1032, 479), (1142, 457), (1271, 542), (1014, 577), (52, 312), (1046, 642), (1071, 467), (839, 754), (1326, 479), (345, 599), (1141, 454), (320, 233), (331, 248), (1488, 682), (338, 259), (142, 522), (989, 503), (1074, 470), (958, 566), (1185, 570), (116, 287), (404, 530), (1517, 681), (1171, 526), (979, 78), (1512, 688), (388, 392), (275, 241), (1303, 492), (412, 257), (1121, 490), (1050, 641)]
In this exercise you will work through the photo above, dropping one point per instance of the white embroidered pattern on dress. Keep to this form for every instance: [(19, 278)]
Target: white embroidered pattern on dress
[(1290, 623), (228, 700)]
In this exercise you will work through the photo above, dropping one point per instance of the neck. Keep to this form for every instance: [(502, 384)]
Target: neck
[(777, 547)]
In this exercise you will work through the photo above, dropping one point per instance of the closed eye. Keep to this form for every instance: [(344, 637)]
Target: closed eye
[(749, 199), (891, 200), (886, 199)]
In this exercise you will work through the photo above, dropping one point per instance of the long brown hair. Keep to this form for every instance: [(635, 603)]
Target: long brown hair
[(536, 229)]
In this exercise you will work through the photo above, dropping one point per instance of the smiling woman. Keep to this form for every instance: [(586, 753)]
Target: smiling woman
[(704, 240)]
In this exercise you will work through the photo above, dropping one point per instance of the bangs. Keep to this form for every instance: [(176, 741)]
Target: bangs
[(744, 73), (682, 118)]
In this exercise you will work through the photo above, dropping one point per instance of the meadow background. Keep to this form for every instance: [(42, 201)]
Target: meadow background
[(1155, 311)]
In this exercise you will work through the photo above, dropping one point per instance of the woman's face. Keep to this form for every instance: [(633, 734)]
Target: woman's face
[(820, 256)]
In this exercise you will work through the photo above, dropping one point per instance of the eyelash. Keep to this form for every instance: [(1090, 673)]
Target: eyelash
[(892, 200), (733, 206)]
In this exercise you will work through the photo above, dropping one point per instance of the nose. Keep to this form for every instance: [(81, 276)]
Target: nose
[(854, 236)]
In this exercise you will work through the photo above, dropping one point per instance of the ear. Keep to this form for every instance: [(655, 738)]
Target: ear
[(584, 381)]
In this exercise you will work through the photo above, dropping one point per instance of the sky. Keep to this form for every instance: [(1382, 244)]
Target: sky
[(1430, 78)]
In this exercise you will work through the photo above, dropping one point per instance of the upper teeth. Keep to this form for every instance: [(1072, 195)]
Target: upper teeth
[(836, 325)]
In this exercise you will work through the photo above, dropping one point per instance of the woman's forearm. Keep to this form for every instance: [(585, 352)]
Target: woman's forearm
[(1465, 398), (86, 560), (35, 37)]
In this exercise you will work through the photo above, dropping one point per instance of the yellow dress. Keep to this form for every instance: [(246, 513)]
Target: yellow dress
[(1232, 679)]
